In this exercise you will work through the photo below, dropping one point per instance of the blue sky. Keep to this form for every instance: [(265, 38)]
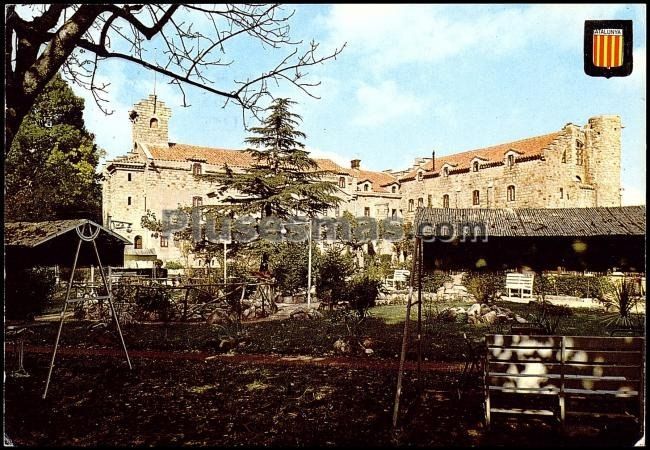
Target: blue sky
[(414, 78)]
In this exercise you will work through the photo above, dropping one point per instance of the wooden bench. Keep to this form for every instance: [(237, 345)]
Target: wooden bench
[(521, 282), (399, 276), (564, 375)]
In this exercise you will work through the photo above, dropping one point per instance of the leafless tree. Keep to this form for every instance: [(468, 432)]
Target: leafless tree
[(75, 38)]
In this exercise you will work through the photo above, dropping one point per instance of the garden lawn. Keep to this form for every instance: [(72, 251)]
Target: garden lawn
[(442, 341)]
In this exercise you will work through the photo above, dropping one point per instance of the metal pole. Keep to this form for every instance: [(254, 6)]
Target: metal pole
[(225, 272), (65, 307), (405, 339), (309, 268), (110, 302), (420, 260)]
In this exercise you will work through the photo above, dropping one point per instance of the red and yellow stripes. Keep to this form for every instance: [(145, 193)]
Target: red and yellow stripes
[(608, 50)]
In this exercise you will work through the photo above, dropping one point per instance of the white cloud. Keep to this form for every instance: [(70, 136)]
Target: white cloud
[(324, 154), (385, 102), (633, 195), (391, 35)]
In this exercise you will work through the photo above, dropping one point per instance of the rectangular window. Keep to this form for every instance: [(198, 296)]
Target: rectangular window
[(561, 192), (128, 176), (128, 201), (164, 242), (197, 201), (366, 211), (411, 205), (420, 202), (476, 199), (429, 200), (394, 214)]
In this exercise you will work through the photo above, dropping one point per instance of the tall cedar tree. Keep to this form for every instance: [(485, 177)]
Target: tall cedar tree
[(284, 180), (50, 171)]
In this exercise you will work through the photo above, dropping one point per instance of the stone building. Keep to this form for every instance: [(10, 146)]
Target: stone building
[(156, 174), (577, 166), (574, 167)]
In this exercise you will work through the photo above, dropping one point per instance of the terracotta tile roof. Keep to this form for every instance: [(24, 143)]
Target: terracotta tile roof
[(527, 147), (379, 180), (211, 155), (219, 156)]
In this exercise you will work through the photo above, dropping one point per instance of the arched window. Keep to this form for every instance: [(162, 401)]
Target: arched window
[(475, 166), (137, 242), (511, 193), (420, 176), (411, 205), (365, 186), (420, 202), (445, 201), (475, 198), (394, 189), (341, 182), (580, 153), (196, 169), (445, 171), (153, 123)]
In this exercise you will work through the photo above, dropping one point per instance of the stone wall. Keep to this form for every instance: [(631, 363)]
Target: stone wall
[(152, 121), (556, 180)]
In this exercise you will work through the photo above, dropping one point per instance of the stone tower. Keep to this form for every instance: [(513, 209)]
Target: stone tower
[(603, 135), (150, 121)]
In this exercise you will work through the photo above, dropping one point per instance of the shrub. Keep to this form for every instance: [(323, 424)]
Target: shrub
[(361, 292), (572, 285), (548, 316), (27, 291), (434, 281), (289, 266), (484, 286), (620, 297), (334, 269), (173, 265), (156, 300)]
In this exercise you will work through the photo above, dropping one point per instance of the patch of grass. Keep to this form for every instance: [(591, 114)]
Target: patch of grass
[(256, 386), (202, 389)]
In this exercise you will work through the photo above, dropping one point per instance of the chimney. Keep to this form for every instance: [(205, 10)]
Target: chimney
[(433, 160), (355, 164)]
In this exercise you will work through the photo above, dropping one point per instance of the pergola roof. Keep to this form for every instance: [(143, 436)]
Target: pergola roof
[(53, 242), (539, 222), (32, 234), (498, 239)]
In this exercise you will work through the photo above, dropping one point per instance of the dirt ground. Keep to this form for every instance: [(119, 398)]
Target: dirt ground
[(96, 400)]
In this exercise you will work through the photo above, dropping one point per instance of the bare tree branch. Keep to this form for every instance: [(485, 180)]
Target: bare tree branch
[(77, 38)]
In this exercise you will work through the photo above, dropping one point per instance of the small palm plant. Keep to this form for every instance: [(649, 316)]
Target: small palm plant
[(620, 298)]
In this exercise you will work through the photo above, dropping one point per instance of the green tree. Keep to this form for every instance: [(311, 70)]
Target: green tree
[(50, 171), (289, 266), (335, 268), (283, 181)]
